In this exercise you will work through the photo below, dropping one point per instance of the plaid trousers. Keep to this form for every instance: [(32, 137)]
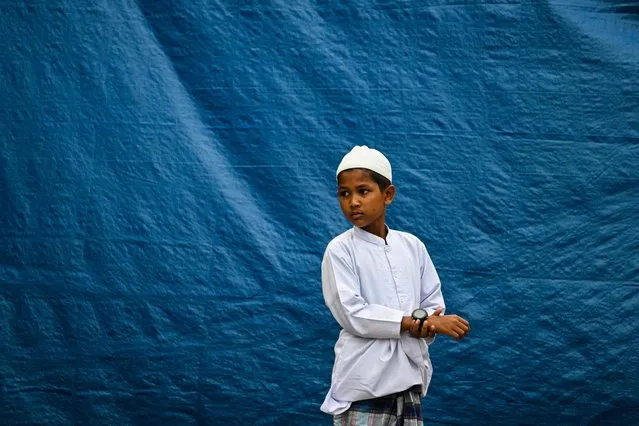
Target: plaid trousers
[(400, 409)]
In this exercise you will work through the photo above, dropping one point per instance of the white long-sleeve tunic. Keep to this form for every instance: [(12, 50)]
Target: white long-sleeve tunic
[(369, 284)]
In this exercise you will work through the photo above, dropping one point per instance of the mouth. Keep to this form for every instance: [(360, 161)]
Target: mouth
[(357, 215)]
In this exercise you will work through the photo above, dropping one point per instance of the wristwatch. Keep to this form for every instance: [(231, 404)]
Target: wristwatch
[(421, 315)]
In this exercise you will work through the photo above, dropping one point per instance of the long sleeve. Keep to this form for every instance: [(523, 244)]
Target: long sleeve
[(341, 289), (431, 292)]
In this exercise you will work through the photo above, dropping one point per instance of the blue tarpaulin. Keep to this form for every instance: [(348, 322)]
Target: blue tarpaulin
[(167, 186)]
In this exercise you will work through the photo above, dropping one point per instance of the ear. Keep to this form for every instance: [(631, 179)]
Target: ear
[(389, 195)]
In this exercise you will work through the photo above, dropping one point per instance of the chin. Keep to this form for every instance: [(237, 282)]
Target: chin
[(360, 224)]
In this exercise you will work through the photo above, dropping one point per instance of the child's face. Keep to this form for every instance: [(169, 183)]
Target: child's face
[(362, 201)]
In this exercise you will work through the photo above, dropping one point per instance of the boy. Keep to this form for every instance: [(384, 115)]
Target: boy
[(379, 284)]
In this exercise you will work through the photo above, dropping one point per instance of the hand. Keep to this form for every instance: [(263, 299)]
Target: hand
[(427, 330), (413, 326), (452, 325)]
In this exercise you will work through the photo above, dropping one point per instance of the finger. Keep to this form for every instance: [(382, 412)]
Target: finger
[(458, 318), (464, 327), (438, 311), (423, 332), (460, 331), (413, 328), (460, 322), (426, 331)]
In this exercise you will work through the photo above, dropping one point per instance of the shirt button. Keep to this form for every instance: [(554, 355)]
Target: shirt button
[(387, 248)]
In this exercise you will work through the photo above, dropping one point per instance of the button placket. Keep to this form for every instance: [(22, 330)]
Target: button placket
[(399, 290), (399, 285)]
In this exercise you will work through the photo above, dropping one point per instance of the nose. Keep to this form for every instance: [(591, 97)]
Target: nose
[(355, 202)]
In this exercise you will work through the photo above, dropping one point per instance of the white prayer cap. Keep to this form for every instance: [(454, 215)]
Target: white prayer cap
[(363, 157)]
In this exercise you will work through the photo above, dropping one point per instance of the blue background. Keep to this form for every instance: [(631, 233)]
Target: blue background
[(167, 188)]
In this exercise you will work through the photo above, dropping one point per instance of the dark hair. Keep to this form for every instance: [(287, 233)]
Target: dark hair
[(380, 180)]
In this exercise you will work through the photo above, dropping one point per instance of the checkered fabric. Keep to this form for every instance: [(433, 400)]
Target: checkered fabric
[(400, 409)]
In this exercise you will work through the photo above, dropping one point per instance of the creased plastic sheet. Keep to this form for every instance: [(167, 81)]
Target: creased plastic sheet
[(167, 183)]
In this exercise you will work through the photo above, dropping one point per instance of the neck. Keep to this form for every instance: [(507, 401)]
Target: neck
[(377, 228)]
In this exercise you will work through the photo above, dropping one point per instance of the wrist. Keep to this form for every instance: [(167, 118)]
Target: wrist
[(405, 324)]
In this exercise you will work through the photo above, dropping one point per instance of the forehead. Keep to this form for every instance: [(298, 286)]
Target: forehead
[(355, 177)]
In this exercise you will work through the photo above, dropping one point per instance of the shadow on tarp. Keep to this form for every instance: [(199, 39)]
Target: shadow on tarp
[(619, 415)]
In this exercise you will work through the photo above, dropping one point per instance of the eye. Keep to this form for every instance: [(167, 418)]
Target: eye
[(364, 191), (342, 193)]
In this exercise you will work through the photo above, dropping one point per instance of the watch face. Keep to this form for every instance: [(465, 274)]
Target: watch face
[(420, 314)]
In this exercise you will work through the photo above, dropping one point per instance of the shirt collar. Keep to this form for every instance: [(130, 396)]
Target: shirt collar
[(372, 238)]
